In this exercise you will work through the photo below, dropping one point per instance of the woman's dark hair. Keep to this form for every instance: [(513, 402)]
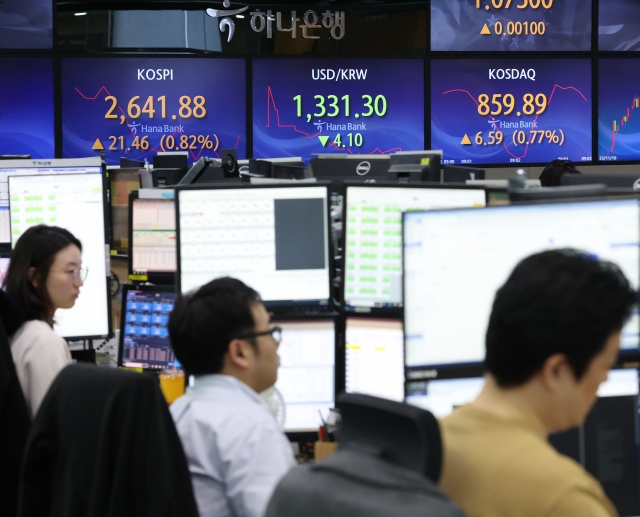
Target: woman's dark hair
[(555, 302), (552, 174), (36, 248), (204, 322)]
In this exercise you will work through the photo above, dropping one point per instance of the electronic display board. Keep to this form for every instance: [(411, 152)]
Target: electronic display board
[(510, 25), (619, 25), (26, 24), (135, 107), (311, 106), (26, 106), (505, 111), (618, 114)]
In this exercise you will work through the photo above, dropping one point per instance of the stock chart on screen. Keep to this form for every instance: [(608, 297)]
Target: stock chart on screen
[(504, 111), (618, 113), (510, 25), (135, 107), (311, 106)]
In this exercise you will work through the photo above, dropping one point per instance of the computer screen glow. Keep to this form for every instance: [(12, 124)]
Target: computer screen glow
[(375, 358), (442, 396), (74, 202), (145, 338), (456, 261), (31, 168), (373, 242), (153, 245), (306, 377), (273, 239)]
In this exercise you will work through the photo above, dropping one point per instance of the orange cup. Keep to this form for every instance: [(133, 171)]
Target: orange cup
[(172, 384)]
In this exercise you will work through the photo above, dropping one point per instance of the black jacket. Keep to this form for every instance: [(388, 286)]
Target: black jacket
[(103, 444), (14, 414)]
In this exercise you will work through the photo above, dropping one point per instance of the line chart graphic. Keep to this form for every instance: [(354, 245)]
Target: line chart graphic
[(520, 112), (535, 120), (303, 107), (155, 105)]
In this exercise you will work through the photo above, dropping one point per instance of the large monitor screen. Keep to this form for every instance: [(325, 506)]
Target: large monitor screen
[(75, 202), (618, 114), (306, 377), (135, 107), (26, 104), (511, 26), (374, 359), (619, 25), (456, 260), (144, 337), (26, 24), (36, 167), (509, 111), (273, 239), (373, 237), (303, 107), (153, 236)]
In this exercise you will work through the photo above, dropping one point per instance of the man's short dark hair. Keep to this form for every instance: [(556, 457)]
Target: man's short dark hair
[(204, 322), (555, 302)]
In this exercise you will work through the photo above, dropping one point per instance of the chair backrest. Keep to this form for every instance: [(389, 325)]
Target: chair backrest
[(405, 435), (104, 444), (387, 462)]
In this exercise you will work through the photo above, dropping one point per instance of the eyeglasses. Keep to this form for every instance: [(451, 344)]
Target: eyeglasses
[(275, 332), (77, 273)]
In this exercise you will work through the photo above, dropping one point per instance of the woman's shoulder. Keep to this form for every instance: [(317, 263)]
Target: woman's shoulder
[(35, 331)]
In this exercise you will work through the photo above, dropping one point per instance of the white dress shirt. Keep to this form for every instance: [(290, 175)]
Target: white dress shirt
[(39, 354), (236, 453)]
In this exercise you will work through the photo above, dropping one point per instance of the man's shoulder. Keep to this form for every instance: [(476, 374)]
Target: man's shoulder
[(482, 453)]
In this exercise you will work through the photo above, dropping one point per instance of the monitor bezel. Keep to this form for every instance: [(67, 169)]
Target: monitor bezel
[(123, 317), (386, 312), (105, 209), (276, 307), (476, 368)]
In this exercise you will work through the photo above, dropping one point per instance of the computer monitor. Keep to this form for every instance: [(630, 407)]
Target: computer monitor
[(144, 338), (4, 267), (359, 166), (415, 165), (36, 167), (455, 261), (374, 357), (442, 396), (152, 236), (75, 202), (306, 377), (373, 236), (273, 238)]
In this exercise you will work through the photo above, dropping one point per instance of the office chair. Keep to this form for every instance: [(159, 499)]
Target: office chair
[(387, 463), (103, 444)]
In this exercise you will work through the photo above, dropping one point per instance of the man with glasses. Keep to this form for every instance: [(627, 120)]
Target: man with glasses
[(237, 454)]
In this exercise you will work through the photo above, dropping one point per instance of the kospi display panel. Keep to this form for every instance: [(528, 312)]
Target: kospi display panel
[(511, 25), (618, 113), (310, 106), (619, 25), (26, 24), (26, 106), (504, 111), (135, 107)]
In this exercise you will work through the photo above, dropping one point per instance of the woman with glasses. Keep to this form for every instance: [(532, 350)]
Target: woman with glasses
[(45, 274)]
